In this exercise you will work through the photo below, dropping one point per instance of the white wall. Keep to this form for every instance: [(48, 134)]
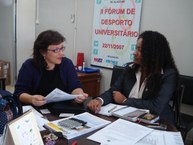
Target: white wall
[(172, 18), (7, 47), (56, 15), (25, 30)]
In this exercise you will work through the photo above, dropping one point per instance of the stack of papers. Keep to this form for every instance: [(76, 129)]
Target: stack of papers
[(129, 133), (130, 113), (92, 123), (121, 131), (110, 108), (158, 137), (122, 111)]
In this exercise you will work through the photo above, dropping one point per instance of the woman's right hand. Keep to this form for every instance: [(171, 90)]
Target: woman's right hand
[(95, 105), (38, 100)]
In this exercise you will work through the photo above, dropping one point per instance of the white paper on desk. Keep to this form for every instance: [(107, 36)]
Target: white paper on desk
[(58, 95), (121, 131), (157, 137), (28, 107), (104, 110)]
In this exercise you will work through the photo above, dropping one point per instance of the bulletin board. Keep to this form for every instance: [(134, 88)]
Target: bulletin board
[(115, 31)]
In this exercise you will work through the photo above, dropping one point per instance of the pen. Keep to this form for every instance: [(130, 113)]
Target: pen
[(112, 109)]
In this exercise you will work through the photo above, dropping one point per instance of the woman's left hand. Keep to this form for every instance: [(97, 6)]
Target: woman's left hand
[(118, 97), (81, 99)]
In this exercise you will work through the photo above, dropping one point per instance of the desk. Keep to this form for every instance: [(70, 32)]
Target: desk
[(82, 139), (90, 82), (2, 83)]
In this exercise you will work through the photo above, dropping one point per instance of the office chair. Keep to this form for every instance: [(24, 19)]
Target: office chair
[(176, 105), (187, 119), (117, 70), (188, 135)]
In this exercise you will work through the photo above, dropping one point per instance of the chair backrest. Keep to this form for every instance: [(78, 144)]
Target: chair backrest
[(187, 81), (117, 70), (188, 136), (176, 104)]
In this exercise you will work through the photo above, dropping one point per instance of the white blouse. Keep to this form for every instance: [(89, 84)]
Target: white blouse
[(137, 91)]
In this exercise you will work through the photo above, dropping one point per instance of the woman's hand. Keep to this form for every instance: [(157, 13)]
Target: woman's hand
[(38, 100), (118, 97), (95, 105), (81, 99)]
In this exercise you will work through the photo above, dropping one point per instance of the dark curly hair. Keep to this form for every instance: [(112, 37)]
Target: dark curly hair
[(156, 53), (156, 56), (44, 39)]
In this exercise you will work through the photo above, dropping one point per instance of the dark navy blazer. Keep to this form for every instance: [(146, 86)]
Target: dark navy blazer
[(157, 103), (29, 77)]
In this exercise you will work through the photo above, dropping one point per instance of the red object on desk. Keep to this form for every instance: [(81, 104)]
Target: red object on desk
[(80, 59), (74, 143)]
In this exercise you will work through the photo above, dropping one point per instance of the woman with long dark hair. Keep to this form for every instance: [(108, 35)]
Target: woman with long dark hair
[(147, 83)]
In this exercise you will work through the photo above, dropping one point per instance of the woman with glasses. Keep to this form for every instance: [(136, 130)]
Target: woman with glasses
[(47, 70)]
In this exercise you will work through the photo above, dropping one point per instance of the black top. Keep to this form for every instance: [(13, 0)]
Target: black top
[(50, 81)]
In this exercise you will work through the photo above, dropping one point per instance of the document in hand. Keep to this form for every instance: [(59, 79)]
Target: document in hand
[(76, 125), (130, 113), (110, 108), (58, 95), (121, 131)]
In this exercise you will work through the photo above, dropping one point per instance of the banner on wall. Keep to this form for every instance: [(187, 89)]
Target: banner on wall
[(115, 31)]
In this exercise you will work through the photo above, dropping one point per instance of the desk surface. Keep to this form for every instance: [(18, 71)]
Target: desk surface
[(82, 139)]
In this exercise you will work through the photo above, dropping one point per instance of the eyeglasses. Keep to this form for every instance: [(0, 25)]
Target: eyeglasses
[(57, 50)]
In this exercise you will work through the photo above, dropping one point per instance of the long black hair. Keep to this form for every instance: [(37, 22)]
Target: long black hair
[(156, 57), (156, 52), (44, 39)]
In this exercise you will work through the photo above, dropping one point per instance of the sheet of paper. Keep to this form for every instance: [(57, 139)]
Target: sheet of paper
[(28, 107), (109, 108), (157, 137), (41, 121), (45, 111), (120, 131), (57, 95)]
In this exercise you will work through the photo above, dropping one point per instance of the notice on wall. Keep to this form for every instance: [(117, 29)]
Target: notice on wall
[(115, 31)]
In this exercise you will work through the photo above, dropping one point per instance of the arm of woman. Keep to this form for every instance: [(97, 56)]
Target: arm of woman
[(27, 80), (80, 99), (36, 100), (158, 103), (114, 93)]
